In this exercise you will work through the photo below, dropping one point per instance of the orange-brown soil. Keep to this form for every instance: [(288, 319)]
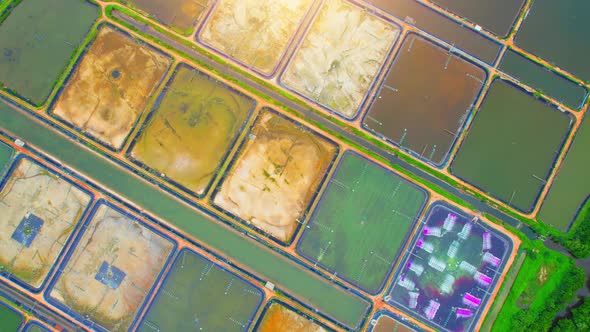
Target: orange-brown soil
[(281, 318), (111, 86), (388, 324), (276, 175)]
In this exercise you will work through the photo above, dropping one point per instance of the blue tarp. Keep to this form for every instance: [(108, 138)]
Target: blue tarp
[(27, 230), (110, 275)]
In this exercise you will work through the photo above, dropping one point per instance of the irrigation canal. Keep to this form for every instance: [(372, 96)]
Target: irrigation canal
[(342, 305), (479, 205)]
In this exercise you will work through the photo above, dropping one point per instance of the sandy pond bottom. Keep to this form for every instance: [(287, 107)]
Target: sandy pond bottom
[(276, 175), (278, 317), (134, 257), (30, 194), (254, 32), (191, 128), (111, 86), (388, 324), (340, 56)]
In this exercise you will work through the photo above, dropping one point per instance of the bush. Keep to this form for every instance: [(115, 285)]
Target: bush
[(532, 305), (577, 320), (577, 241)]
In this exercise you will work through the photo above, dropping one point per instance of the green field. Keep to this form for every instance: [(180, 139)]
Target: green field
[(362, 222), (511, 146), (571, 186), (9, 320), (343, 306), (545, 284), (5, 155), (38, 38), (199, 295)]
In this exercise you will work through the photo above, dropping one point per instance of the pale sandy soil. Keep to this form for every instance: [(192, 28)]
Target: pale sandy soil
[(276, 176), (32, 189), (125, 244), (111, 86), (254, 32), (340, 56)]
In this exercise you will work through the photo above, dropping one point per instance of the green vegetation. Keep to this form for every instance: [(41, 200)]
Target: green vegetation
[(38, 44), (198, 294), (577, 320), (546, 283), (505, 289), (577, 241), (362, 222)]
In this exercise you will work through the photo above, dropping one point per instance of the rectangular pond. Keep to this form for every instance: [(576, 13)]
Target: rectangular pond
[(340, 56), (341, 305), (453, 266), (279, 316), (111, 271), (256, 33), (362, 222), (450, 31), (192, 109), (540, 78), (276, 175), (497, 16), (426, 98), (387, 322), (512, 145), (108, 90), (180, 15), (38, 43), (199, 295), (40, 211), (571, 186), (557, 31), (10, 319)]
